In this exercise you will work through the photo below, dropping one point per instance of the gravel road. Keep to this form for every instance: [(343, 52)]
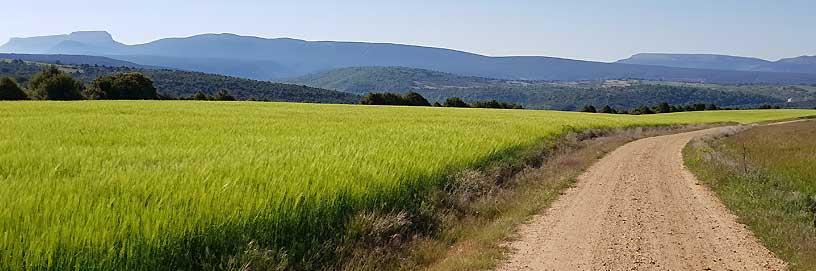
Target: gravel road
[(639, 208)]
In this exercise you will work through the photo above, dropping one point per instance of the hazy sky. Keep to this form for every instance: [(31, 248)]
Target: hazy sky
[(583, 29)]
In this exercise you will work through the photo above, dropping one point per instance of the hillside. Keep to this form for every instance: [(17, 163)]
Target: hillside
[(802, 64), (361, 80), (175, 83), (261, 58), (438, 86)]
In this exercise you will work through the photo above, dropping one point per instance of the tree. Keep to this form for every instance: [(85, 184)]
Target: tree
[(122, 86), (10, 90), (200, 96), (415, 99), (645, 110), (589, 109), (608, 110), (53, 84), (455, 102), (712, 107), (224, 95), (664, 107)]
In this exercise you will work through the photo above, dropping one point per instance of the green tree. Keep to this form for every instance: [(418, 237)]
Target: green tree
[(415, 99), (122, 86), (664, 107), (455, 102), (200, 96), (53, 84), (608, 110), (10, 90), (223, 95), (645, 110), (589, 109)]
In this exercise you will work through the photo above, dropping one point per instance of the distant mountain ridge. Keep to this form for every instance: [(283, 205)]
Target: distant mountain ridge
[(802, 64), (276, 59)]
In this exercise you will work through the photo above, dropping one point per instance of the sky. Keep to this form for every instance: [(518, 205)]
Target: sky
[(584, 29)]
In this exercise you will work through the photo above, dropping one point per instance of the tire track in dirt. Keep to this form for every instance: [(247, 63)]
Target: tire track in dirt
[(639, 208)]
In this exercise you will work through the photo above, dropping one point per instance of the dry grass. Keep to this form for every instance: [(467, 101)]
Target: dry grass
[(480, 209), (767, 176)]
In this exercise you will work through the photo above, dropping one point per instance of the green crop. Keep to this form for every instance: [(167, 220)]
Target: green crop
[(143, 185)]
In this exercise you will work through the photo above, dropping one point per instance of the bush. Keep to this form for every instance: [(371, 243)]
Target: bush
[(122, 86), (10, 90), (53, 84)]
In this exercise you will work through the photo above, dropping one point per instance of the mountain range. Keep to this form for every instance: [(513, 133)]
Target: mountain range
[(283, 58), (802, 64)]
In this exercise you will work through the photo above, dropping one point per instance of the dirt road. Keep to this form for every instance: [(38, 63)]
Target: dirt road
[(639, 209)]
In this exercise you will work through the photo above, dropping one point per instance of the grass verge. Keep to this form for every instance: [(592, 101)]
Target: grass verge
[(464, 225), (767, 176)]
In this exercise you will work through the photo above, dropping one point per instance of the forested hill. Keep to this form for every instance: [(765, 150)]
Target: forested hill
[(362, 80), (175, 83), (438, 86)]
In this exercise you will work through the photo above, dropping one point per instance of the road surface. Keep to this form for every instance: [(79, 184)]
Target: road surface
[(638, 208)]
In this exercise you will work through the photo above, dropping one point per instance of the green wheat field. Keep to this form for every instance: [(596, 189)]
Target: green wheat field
[(135, 185)]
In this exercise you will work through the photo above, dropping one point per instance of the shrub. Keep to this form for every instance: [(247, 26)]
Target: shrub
[(53, 84), (10, 90)]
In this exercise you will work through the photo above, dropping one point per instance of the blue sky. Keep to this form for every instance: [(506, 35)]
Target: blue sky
[(590, 30)]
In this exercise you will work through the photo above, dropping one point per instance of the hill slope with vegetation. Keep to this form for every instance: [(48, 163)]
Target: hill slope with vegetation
[(622, 94), (180, 84)]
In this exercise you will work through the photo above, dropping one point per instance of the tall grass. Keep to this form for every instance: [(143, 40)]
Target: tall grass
[(182, 185)]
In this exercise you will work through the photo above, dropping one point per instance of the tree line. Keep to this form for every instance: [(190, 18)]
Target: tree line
[(51, 83), (661, 108), (416, 99), (54, 84)]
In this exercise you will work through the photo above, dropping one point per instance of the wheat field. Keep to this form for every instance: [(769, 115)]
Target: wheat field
[(176, 184)]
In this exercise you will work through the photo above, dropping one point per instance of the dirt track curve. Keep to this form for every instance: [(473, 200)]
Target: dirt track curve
[(638, 208)]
